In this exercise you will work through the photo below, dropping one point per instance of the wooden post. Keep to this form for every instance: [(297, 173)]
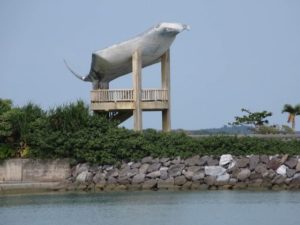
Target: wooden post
[(165, 82), (137, 89)]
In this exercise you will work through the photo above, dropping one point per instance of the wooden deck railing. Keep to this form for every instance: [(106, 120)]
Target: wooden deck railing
[(154, 95), (126, 95)]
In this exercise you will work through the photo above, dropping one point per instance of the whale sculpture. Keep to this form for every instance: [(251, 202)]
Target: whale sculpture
[(115, 61)]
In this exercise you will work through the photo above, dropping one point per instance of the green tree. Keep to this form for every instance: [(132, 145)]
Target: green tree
[(293, 112), (252, 118)]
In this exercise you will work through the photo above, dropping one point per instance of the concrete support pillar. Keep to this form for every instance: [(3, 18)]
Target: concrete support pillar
[(137, 90), (165, 82), (100, 85)]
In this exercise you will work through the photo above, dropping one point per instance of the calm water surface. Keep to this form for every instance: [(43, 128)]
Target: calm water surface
[(142, 208)]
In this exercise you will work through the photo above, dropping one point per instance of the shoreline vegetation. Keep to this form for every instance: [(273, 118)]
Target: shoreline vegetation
[(71, 131), (91, 141)]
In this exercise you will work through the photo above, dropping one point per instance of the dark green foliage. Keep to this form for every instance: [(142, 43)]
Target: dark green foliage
[(252, 118), (70, 131), (6, 151)]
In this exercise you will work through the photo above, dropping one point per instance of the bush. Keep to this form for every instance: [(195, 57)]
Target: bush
[(6, 151), (70, 131)]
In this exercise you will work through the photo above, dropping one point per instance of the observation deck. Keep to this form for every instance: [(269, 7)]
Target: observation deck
[(123, 99)]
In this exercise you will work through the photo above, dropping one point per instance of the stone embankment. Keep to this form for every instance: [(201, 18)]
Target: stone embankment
[(196, 173)]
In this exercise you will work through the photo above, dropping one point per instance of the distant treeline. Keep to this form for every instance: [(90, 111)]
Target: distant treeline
[(72, 131), (223, 130)]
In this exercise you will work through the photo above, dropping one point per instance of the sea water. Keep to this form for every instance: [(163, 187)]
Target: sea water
[(143, 208)]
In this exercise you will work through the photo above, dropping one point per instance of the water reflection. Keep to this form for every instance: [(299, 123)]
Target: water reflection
[(207, 207)]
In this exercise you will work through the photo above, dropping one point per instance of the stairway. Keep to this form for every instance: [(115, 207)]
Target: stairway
[(120, 116)]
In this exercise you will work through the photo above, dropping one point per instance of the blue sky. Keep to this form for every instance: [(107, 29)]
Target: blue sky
[(238, 54)]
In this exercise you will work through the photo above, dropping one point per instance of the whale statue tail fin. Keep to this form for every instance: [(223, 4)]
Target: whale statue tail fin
[(83, 78)]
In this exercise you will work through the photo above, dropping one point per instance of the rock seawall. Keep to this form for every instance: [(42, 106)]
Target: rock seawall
[(196, 173)]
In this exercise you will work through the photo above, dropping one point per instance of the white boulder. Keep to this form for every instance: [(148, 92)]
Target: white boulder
[(281, 170), (214, 170), (225, 159)]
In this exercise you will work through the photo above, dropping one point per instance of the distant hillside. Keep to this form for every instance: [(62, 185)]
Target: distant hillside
[(223, 130)]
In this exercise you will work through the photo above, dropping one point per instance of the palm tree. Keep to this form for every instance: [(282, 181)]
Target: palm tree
[(293, 112)]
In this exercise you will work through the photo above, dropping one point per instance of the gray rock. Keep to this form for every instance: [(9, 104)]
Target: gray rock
[(176, 170), (192, 161), (112, 173), (255, 184), (100, 183), (165, 184), (199, 175), (273, 164), (99, 177), (223, 179), (144, 167), (234, 172), (232, 181), (290, 172), (123, 180), (79, 168), (180, 180), (149, 184), (123, 167), (168, 163), (195, 185), (194, 168), (232, 165), (210, 180), (271, 174), (225, 159), (212, 162), (254, 175), (243, 174), (253, 162), (82, 177), (154, 174), (284, 158), (291, 162), (147, 159), (214, 170), (111, 180), (188, 174), (243, 162), (264, 159), (130, 164), (296, 178), (261, 168), (128, 172), (89, 177), (139, 178), (136, 165), (298, 166), (133, 172), (203, 160), (153, 167), (176, 161), (156, 160), (107, 167), (187, 185), (124, 171), (164, 174), (94, 169), (278, 179), (164, 160), (281, 170), (164, 168)]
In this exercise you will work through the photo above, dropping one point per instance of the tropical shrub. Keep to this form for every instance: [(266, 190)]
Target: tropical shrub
[(71, 131)]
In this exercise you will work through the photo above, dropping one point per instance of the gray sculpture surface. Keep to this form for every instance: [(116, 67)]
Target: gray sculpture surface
[(115, 61)]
